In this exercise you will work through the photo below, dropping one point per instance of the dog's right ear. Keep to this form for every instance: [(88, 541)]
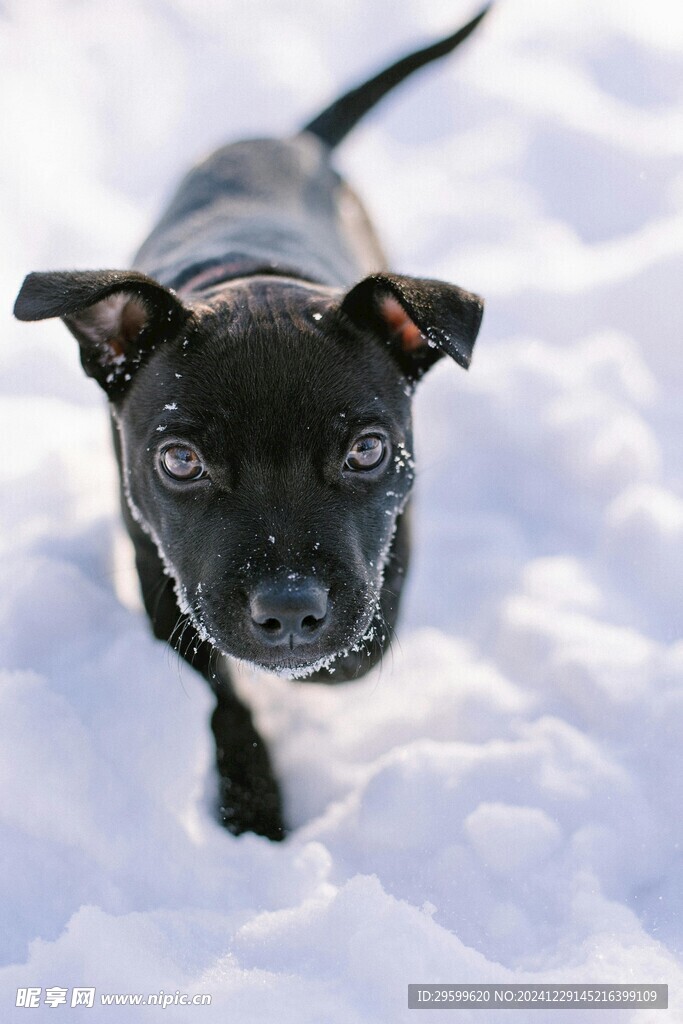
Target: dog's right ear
[(117, 316)]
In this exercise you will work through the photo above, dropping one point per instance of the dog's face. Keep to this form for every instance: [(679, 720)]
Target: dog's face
[(265, 440)]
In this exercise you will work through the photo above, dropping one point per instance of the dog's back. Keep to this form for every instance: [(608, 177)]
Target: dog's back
[(262, 206)]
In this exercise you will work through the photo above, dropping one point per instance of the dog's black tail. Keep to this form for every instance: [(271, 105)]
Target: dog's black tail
[(338, 119)]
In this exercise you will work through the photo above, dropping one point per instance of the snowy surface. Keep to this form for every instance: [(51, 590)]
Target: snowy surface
[(502, 801)]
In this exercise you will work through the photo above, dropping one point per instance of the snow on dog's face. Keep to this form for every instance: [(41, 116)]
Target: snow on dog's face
[(265, 441)]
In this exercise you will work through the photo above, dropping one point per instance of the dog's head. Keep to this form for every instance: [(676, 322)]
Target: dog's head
[(265, 438)]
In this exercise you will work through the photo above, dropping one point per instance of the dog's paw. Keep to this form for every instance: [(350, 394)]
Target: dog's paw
[(252, 807)]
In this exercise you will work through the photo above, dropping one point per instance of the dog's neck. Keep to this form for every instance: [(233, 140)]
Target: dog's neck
[(200, 278)]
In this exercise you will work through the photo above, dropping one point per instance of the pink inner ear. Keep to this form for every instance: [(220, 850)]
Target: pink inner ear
[(134, 316), (112, 324), (398, 321)]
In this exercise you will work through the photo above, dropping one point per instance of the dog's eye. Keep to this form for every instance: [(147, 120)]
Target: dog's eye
[(182, 462), (367, 453)]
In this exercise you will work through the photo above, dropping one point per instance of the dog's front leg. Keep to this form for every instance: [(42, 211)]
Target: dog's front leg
[(248, 796)]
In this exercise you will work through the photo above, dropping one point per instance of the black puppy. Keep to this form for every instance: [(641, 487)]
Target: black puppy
[(260, 401)]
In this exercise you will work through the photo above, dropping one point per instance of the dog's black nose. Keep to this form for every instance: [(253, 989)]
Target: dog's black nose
[(288, 612)]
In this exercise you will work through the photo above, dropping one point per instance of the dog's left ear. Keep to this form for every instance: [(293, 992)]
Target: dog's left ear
[(117, 317), (421, 320)]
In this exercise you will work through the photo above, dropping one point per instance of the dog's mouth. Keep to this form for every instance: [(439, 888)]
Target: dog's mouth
[(341, 663), (296, 667)]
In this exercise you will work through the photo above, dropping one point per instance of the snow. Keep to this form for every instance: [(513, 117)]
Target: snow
[(500, 800)]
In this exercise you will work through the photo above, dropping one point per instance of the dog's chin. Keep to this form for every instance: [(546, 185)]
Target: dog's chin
[(299, 663), (295, 666)]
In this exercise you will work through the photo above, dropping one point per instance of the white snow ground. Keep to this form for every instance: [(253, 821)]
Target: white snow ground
[(502, 801)]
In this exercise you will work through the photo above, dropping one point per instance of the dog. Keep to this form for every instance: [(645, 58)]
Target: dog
[(259, 363)]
